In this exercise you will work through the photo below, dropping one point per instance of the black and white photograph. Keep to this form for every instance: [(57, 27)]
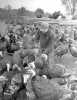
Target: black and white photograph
[(38, 49)]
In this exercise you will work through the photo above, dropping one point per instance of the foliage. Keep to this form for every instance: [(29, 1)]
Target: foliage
[(14, 15), (55, 15), (8, 7), (21, 11), (70, 5), (39, 13)]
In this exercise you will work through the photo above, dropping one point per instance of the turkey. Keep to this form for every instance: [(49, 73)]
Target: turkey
[(61, 50), (3, 44), (55, 71), (73, 48), (46, 89), (11, 48)]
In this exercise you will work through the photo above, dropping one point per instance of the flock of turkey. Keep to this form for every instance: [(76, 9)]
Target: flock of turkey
[(28, 69)]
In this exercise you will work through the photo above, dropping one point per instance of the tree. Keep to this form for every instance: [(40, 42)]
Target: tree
[(8, 7), (55, 15), (70, 5), (21, 11), (8, 10), (39, 13)]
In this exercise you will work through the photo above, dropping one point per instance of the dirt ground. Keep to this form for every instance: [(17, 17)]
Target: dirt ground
[(70, 62)]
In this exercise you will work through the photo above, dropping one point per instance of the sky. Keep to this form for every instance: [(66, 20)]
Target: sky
[(47, 5)]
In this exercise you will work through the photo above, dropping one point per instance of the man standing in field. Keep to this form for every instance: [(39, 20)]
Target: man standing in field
[(46, 39)]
